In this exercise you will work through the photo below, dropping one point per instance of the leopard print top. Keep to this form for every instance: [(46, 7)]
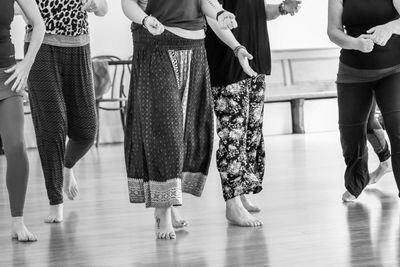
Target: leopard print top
[(63, 17)]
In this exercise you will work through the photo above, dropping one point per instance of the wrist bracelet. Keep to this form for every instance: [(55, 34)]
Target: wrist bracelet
[(237, 48), (282, 9), (219, 13), (144, 20)]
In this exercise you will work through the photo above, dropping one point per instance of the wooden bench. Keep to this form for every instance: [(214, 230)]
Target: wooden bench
[(299, 75)]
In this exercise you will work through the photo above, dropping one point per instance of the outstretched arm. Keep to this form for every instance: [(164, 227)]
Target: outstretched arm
[(213, 9), (286, 7), (20, 71), (336, 31), (135, 13), (229, 39), (98, 7)]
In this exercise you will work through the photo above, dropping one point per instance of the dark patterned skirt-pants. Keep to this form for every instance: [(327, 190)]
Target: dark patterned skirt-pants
[(62, 101), (169, 133), (239, 108)]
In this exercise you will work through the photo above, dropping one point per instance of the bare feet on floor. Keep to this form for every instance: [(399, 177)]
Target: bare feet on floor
[(347, 197), (177, 221), (20, 232), (238, 215), (163, 227), (70, 184), (250, 207), (56, 214), (383, 168)]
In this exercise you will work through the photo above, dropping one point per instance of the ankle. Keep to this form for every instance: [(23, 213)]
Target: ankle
[(234, 202), (17, 220)]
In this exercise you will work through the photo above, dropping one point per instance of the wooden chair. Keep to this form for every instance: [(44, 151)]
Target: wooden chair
[(115, 99)]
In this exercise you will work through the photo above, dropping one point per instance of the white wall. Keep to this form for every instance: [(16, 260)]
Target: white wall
[(111, 34)]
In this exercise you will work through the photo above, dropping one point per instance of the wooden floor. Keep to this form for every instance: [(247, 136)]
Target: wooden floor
[(305, 222)]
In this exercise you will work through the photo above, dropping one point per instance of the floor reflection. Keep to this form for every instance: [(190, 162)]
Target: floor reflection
[(370, 233), (246, 247)]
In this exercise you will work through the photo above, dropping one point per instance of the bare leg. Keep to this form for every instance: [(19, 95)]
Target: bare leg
[(70, 184), (250, 207), (238, 215), (20, 232), (55, 214), (177, 221), (163, 226)]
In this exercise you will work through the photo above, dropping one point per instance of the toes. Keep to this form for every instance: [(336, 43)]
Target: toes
[(172, 235)]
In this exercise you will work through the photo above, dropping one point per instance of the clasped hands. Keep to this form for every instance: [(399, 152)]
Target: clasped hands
[(379, 35)]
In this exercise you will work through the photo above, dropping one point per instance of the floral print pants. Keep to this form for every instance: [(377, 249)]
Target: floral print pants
[(239, 108)]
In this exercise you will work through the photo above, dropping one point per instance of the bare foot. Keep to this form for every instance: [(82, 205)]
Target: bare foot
[(383, 168), (56, 214), (250, 207), (164, 228), (20, 232), (238, 215), (70, 184), (347, 197), (177, 221)]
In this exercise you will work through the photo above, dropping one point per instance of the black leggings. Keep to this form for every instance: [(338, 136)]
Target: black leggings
[(12, 133), (376, 135), (355, 102), (63, 104)]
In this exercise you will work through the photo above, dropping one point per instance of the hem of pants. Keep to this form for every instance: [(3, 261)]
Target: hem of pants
[(155, 194), (57, 202), (255, 189), (193, 183)]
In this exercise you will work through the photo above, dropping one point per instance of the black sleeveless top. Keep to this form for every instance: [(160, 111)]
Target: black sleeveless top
[(7, 54), (252, 32), (184, 14), (358, 17)]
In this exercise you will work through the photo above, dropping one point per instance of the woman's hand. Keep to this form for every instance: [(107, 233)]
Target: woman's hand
[(292, 6), (20, 73), (227, 20), (364, 43), (381, 34), (244, 57), (99, 8), (153, 25)]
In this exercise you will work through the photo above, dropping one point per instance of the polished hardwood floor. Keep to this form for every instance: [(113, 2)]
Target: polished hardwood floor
[(305, 222)]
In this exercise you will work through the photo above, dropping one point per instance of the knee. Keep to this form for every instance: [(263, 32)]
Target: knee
[(392, 123), (15, 147)]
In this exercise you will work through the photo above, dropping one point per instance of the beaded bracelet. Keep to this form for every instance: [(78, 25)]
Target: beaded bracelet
[(219, 13), (282, 9), (144, 21), (237, 48)]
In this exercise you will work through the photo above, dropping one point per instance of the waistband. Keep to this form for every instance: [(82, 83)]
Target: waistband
[(167, 40), (62, 40)]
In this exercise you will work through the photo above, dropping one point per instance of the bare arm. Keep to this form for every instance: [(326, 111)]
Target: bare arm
[(21, 69), (229, 39), (135, 13), (337, 34), (289, 7), (211, 9), (98, 7)]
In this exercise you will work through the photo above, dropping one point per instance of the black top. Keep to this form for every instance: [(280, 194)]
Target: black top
[(358, 17), (7, 54), (184, 14), (252, 32)]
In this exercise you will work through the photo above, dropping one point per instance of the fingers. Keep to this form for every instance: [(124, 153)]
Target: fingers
[(366, 36), (154, 26), (11, 78), (372, 30), (10, 69)]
